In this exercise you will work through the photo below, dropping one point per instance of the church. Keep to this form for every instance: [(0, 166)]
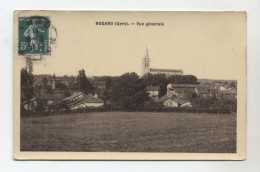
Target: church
[(146, 68)]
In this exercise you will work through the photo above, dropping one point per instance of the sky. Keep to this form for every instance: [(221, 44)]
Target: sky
[(208, 45)]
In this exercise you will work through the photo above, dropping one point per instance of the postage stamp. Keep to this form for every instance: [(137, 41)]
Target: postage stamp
[(33, 35)]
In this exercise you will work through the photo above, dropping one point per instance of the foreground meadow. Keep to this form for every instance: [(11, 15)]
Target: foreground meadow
[(130, 132)]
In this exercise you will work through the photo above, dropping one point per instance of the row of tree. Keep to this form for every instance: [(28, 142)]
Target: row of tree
[(127, 90), (27, 83)]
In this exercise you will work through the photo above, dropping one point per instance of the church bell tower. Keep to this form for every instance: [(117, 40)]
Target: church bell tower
[(146, 63)]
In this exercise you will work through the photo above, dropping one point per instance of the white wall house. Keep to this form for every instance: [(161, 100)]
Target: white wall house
[(153, 91), (170, 103), (80, 100)]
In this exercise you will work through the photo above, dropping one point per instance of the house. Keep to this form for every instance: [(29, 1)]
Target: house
[(80, 100), (182, 90), (222, 88), (73, 99), (48, 79), (30, 105), (168, 101), (228, 94), (183, 103), (88, 101), (207, 92), (174, 102), (42, 84), (153, 91)]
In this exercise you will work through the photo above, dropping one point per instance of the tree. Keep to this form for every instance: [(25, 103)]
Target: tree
[(129, 91), (103, 94), (83, 84), (45, 85), (233, 84), (66, 93), (72, 83), (45, 82), (41, 105), (182, 79), (108, 80), (27, 83), (162, 89)]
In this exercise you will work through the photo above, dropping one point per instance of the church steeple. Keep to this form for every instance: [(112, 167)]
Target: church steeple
[(146, 63), (147, 55)]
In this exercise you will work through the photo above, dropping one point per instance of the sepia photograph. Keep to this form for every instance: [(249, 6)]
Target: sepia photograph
[(129, 85)]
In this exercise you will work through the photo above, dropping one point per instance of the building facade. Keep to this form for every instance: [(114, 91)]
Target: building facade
[(147, 69), (153, 91)]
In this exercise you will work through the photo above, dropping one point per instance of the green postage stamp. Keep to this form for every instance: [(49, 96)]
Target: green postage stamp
[(33, 38)]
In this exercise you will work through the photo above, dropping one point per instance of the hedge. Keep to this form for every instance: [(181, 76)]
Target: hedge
[(114, 109)]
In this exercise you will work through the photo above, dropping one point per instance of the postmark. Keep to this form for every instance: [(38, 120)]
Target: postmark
[(34, 36)]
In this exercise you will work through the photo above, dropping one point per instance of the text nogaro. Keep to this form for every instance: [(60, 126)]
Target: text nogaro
[(106, 23)]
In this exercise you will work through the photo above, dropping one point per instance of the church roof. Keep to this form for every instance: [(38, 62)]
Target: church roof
[(165, 70)]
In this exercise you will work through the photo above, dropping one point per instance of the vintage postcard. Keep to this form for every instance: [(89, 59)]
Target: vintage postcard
[(129, 85)]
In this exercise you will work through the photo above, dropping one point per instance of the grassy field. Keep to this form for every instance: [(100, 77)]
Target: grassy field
[(130, 132)]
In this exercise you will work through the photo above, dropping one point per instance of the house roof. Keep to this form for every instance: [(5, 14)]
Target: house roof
[(185, 85), (152, 88), (163, 98), (206, 90), (37, 81), (26, 102), (203, 90), (229, 92), (180, 101), (87, 99), (73, 95), (165, 70), (214, 91), (92, 99)]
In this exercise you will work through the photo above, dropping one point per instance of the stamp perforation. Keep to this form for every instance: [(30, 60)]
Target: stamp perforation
[(38, 43)]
